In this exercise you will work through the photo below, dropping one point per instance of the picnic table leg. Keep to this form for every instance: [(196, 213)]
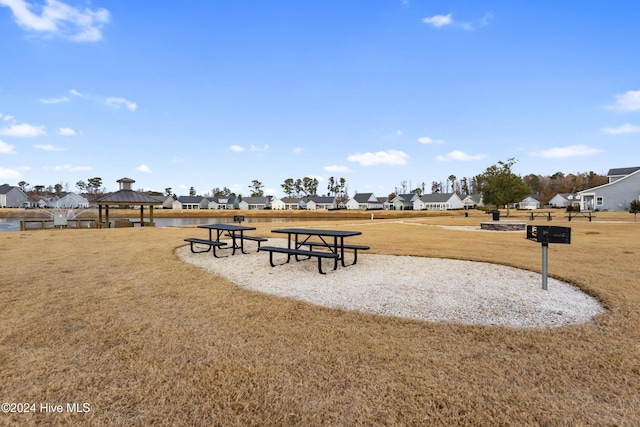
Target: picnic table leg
[(320, 265), (215, 254), (335, 242)]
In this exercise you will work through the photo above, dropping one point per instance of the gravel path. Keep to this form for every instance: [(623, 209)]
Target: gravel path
[(432, 289)]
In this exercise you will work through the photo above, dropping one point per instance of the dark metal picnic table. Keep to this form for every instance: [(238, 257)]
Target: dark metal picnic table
[(331, 239), (236, 232)]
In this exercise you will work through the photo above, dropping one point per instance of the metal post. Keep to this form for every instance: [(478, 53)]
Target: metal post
[(545, 256)]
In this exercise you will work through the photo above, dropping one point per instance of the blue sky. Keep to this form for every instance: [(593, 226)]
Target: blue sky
[(219, 93)]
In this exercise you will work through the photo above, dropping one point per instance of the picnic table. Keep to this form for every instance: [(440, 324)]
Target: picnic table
[(534, 215), (330, 242), (586, 214), (235, 232)]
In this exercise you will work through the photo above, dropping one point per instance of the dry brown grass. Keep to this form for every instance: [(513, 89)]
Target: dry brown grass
[(111, 317)]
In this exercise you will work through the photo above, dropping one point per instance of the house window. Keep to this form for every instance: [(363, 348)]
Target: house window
[(599, 201)]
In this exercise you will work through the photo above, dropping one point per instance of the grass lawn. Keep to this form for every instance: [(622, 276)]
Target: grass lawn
[(111, 318)]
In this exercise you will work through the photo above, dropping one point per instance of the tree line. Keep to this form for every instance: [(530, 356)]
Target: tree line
[(498, 184)]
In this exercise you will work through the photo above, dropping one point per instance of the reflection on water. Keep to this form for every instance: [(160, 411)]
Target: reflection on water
[(7, 224)]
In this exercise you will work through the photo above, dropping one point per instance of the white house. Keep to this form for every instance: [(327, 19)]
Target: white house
[(530, 202), (616, 195), (190, 202), (438, 202), (321, 202), (363, 201), (288, 203), (563, 200), (12, 197), (254, 203), (403, 201), (470, 201), (71, 201), (223, 202)]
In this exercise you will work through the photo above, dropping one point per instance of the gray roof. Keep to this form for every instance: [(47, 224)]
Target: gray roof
[(126, 197), (436, 197), (5, 188), (231, 198), (323, 199), (190, 199), (256, 200), (362, 197), (291, 199), (622, 171)]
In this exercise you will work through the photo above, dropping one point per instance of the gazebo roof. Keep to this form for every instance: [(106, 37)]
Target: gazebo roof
[(126, 197)]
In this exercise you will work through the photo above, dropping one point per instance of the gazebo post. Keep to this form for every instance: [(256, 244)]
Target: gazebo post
[(151, 215), (141, 215), (100, 214)]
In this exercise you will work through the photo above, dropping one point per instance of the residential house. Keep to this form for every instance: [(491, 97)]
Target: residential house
[(623, 187), (363, 201), (190, 202), (530, 202), (13, 197), (71, 201), (563, 200), (321, 202), (438, 202), (617, 173), (403, 201), (254, 203), (470, 201), (223, 202), (168, 202), (288, 203)]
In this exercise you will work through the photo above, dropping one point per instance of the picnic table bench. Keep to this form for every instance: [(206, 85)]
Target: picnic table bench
[(533, 215), (210, 243), (580, 214), (331, 240), (300, 252), (252, 238), (354, 248)]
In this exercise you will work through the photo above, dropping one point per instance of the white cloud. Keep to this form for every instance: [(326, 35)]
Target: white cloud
[(58, 18), (625, 128), (76, 93), (260, 150), (6, 148), (438, 20), (628, 101), (71, 168), (23, 130), (297, 150), (53, 100), (144, 168), (236, 148), (66, 132), (49, 147), (336, 168), (389, 157), (569, 151), (9, 174), (460, 156), (427, 140), (118, 102)]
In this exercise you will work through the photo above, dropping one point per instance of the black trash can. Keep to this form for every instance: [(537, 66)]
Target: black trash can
[(496, 215)]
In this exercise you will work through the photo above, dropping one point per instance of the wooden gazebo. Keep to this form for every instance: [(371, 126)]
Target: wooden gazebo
[(126, 197)]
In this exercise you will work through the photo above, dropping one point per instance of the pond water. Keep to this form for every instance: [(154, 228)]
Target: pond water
[(7, 224)]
